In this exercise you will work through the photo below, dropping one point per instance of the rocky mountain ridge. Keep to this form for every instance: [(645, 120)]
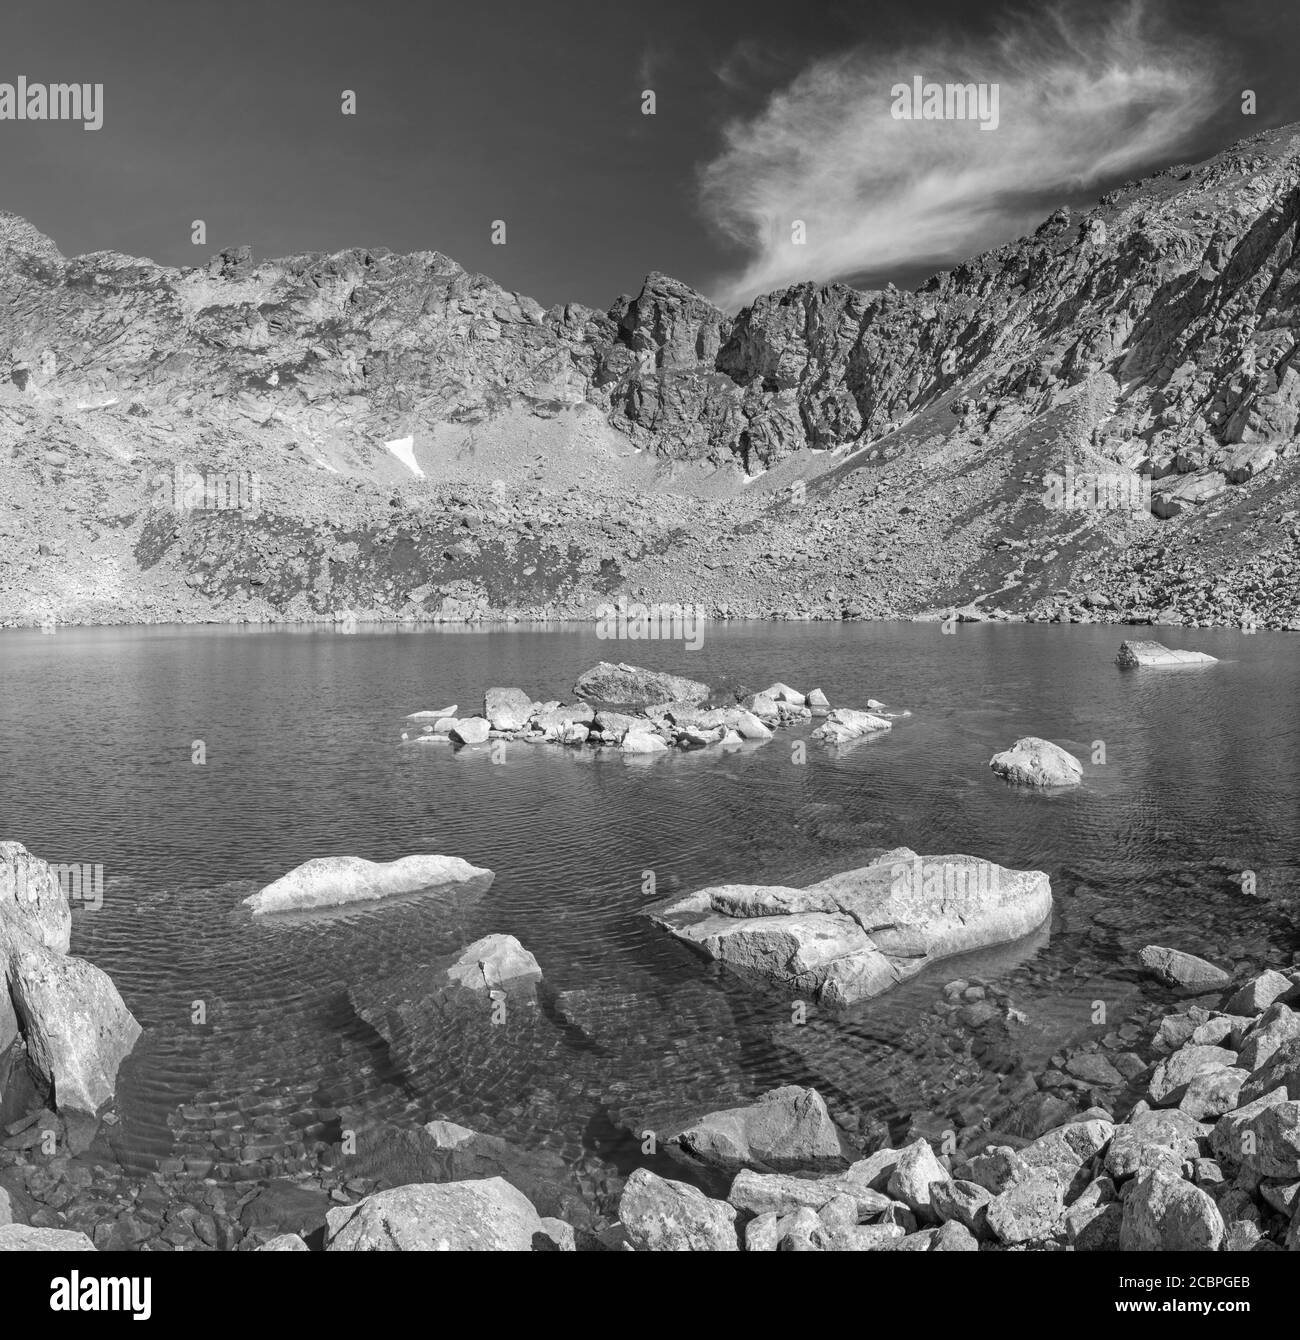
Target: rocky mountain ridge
[(380, 436)]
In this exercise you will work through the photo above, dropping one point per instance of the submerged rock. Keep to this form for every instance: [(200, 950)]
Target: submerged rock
[(857, 934), (1034, 762), (331, 881), (494, 961), (1133, 654), (634, 686)]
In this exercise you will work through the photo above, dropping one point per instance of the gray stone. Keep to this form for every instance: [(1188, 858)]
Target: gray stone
[(914, 1176), (21, 1238), (1185, 971), (507, 709), (1034, 762), (480, 1216), (666, 1216), (787, 1129), (634, 686), (1171, 1077), (1163, 1213), (77, 1029), (1029, 1211)]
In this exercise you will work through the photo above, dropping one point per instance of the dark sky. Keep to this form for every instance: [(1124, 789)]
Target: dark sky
[(522, 110)]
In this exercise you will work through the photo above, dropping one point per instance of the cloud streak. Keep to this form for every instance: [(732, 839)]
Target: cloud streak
[(1082, 99)]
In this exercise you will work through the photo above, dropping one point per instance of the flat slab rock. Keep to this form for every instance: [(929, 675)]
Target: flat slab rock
[(333, 881), (857, 934), (1133, 654)]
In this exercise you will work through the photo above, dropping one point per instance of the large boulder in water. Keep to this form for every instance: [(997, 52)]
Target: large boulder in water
[(333, 881), (1133, 654), (632, 686), (1034, 762), (857, 934), (507, 709), (78, 1030), (478, 1216)]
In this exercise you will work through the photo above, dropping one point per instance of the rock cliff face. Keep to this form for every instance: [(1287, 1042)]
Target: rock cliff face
[(1097, 421)]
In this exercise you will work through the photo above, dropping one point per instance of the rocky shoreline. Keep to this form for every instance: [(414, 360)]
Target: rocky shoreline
[(1179, 1134)]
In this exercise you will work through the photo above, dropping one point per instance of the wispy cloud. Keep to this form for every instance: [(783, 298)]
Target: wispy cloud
[(1081, 99)]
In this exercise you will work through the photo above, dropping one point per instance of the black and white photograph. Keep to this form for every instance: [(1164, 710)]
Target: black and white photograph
[(650, 628)]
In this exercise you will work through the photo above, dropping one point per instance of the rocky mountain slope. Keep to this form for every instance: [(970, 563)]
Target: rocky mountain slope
[(390, 437)]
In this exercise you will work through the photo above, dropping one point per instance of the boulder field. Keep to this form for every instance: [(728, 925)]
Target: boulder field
[(856, 934)]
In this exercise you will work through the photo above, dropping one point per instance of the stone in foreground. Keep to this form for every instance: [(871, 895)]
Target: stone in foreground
[(77, 1028), (479, 1216), (632, 686), (1034, 762), (661, 1215), (1132, 654), (332, 881), (857, 934)]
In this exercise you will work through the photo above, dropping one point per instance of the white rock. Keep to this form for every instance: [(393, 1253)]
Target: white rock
[(1133, 654), (330, 881)]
